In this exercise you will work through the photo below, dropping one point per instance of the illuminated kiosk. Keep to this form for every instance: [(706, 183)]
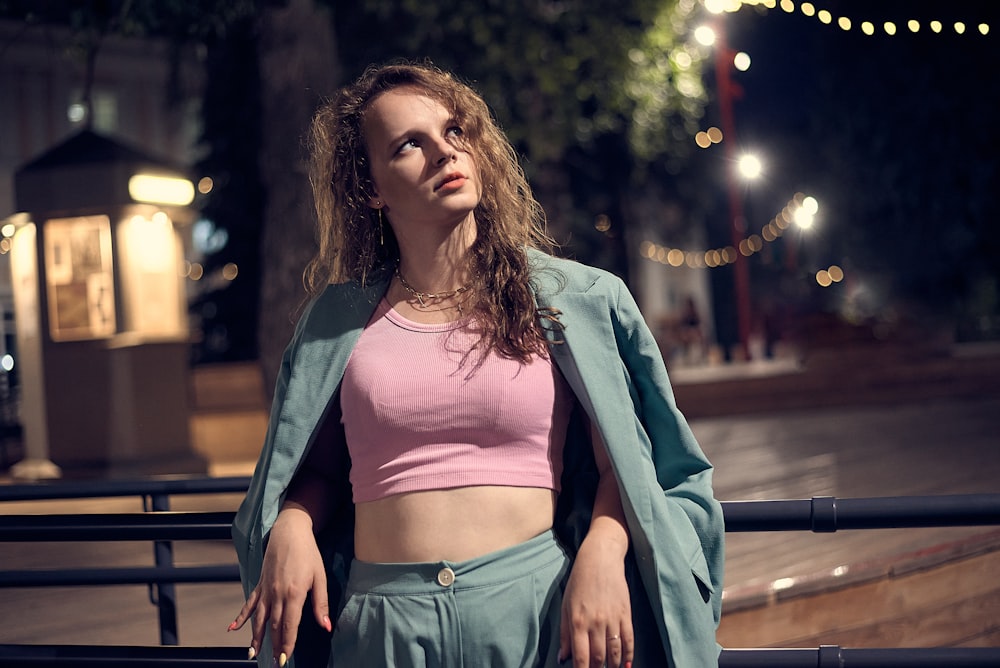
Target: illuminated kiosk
[(100, 312)]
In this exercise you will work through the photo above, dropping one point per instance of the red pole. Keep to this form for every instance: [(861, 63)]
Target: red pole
[(741, 268)]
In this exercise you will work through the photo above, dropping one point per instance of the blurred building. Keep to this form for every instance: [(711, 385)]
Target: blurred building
[(142, 94)]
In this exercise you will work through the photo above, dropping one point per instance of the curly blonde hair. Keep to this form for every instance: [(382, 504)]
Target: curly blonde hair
[(354, 244)]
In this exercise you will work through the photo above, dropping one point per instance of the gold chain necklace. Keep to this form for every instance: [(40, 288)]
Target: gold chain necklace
[(421, 296)]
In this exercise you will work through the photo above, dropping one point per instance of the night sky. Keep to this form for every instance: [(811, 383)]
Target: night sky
[(894, 135)]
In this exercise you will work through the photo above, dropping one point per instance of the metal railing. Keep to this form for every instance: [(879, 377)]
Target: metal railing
[(161, 526), (826, 656), (157, 524)]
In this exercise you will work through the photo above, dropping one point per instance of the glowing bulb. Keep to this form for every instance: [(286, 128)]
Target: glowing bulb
[(750, 166), (704, 35), (741, 61), (76, 112), (155, 189), (804, 219)]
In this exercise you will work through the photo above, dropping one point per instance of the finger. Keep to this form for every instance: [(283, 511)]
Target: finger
[(580, 646), (274, 626), (564, 637), (246, 611), (598, 648), (321, 603), (628, 643), (258, 627), (290, 617), (614, 646)]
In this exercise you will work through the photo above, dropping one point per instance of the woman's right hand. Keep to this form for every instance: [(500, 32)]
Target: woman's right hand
[(292, 568)]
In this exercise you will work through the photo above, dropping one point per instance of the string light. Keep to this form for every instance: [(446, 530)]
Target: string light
[(827, 277), (796, 208), (845, 23)]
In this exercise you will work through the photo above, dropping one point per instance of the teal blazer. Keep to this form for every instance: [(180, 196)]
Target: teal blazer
[(611, 361)]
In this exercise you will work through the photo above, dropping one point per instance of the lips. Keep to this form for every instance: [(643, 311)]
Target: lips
[(451, 181)]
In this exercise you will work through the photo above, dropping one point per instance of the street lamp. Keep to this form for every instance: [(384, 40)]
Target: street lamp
[(715, 37), (749, 166)]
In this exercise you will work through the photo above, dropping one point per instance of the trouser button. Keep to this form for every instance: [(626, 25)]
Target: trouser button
[(445, 577)]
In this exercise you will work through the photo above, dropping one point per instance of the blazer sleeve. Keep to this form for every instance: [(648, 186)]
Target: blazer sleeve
[(683, 471), (247, 529)]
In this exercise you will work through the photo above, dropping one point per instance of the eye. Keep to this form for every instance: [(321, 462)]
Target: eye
[(408, 145), (454, 131)]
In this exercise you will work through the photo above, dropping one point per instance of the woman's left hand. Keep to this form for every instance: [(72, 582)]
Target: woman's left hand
[(596, 626)]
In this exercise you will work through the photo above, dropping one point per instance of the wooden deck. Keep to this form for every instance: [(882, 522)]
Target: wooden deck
[(933, 447), (946, 596)]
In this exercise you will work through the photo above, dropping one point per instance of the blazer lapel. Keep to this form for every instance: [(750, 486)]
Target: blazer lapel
[(336, 320), (586, 353)]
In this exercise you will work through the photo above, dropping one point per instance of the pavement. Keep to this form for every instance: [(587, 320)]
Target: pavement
[(917, 427)]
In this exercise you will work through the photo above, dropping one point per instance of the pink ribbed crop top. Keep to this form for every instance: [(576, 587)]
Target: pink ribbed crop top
[(419, 413)]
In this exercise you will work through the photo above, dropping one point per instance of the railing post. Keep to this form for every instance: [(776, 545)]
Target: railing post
[(829, 657), (166, 594), (824, 514)]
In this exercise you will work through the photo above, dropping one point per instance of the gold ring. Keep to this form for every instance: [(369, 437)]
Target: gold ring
[(612, 637)]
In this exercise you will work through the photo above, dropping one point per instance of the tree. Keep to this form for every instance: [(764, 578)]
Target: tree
[(299, 65)]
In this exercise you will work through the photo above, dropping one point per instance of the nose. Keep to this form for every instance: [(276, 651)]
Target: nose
[(446, 152)]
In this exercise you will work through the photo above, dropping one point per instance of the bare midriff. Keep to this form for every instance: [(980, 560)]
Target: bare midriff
[(450, 524)]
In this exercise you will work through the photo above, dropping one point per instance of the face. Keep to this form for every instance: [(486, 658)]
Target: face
[(423, 177)]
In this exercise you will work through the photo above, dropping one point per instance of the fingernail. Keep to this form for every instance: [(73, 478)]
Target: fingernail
[(231, 627), (282, 660), (251, 653), (628, 664), (327, 625)]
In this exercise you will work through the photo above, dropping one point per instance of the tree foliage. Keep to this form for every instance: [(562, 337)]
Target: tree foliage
[(595, 94), (559, 75)]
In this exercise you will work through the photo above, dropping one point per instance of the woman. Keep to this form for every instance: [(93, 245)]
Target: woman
[(474, 455)]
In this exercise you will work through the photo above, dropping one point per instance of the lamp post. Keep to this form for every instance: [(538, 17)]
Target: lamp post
[(737, 221)]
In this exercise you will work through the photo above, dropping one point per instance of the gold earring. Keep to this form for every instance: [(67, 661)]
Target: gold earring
[(381, 234)]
